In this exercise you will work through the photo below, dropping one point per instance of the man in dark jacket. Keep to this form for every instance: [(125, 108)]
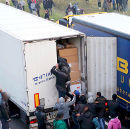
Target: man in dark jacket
[(100, 98), (113, 107), (4, 111), (85, 119), (41, 117), (61, 79)]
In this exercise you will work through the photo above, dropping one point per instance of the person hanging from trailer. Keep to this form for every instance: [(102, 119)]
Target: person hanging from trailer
[(62, 73)]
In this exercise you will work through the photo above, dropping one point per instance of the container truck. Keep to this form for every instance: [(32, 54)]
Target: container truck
[(28, 51), (98, 28)]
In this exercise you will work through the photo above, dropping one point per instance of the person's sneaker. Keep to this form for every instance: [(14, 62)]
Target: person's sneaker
[(9, 120)]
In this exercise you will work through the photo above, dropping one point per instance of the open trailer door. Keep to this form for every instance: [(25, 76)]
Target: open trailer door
[(101, 65), (40, 58)]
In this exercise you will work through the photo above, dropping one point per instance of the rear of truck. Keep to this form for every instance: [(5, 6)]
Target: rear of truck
[(28, 52), (40, 57)]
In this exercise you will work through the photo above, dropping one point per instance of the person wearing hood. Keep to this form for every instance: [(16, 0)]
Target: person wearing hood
[(64, 107), (114, 124), (64, 67), (59, 123), (85, 119), (61, 79), (113, 106), (41, 117)]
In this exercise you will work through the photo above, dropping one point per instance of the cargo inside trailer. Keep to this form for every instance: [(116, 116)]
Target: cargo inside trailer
[(72, 50)]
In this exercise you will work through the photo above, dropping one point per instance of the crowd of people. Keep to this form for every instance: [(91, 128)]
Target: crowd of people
[(78, 111), (74, 110), (34, 6), (73, 9), (119, 5)]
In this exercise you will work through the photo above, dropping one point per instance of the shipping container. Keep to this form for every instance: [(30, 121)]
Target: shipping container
[(112, 73), (28, 52)]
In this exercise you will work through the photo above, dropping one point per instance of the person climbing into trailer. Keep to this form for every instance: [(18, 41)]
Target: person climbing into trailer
[(64, 66), (62, 73), (4, 110), (41, 117)]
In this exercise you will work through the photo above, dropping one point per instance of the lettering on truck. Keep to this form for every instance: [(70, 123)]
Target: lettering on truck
[(43, 78), (122, 66)]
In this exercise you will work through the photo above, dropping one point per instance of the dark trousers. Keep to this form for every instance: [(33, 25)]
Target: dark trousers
[(61, 93), (5, 124), (67, 123), (76, 123), (41, 127), (38, 13)]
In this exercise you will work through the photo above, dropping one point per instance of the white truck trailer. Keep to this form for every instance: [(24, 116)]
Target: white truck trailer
[(28, 52)]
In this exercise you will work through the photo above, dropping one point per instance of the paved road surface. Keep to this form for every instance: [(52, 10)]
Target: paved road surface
[(16, 124)]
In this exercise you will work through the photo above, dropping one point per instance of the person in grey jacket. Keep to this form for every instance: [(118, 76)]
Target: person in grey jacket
[(64, 107)]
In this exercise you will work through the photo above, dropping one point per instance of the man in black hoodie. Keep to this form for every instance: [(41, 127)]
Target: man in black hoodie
[(62, 73), (61, 79), (85, 119), (113, 107)]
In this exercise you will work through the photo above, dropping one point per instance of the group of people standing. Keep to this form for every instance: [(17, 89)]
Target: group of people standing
[(34, 6), (73, 9), (82, 113), (119, 5)]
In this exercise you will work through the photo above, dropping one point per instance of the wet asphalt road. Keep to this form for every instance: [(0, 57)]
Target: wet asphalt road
[(16, 124)]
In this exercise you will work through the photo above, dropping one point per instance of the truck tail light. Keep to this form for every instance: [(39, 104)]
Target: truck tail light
[(36, 99), (33, 121)]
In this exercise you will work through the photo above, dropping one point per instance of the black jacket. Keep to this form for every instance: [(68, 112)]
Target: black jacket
[(41, 118), (100, 110), (92, 109), (113, 108), (85, 121), (101, 99), (79, 108), (4, 112), (61, 78)]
